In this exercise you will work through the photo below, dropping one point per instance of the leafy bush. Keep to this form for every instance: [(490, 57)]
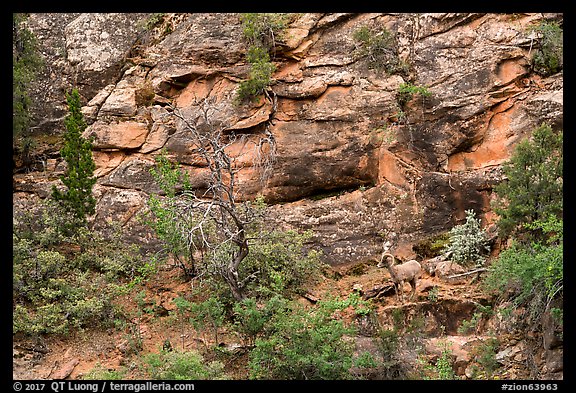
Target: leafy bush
[(470, 326), (51, 295), (154, 20), (378, 45), (487, 356), (442, 369), (67, 282), (281, 264), (301, 343), (296, 342), (172, 365), (468, 241), (99, 372), (208, 315), (261, 70), (532, 272), (530, 205), (533, 189), (548, 57), (250, 318), (164, 215), (388, 343), (406, 92), (261, 31)]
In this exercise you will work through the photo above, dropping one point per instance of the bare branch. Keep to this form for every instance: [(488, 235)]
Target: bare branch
[(214, 224)]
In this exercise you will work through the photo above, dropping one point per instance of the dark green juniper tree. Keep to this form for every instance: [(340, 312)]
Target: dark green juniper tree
[(79, 179), (533, 190), (530, 204), (548, 57), (26, 63)]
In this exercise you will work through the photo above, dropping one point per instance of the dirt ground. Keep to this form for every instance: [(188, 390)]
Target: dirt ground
[(74, 356)]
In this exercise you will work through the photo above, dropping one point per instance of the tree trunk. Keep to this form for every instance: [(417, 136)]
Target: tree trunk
[(231, 274), (231, 278)]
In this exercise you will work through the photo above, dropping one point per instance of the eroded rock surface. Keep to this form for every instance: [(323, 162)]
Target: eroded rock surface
[(350, 161)]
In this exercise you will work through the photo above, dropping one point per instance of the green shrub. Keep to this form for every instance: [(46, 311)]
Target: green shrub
[(172, 365), (378, 46), (530, 205), (302, 343), (261, 31), (62, 283), (469, 326), (60, 299), (529, 273), (164, 215), (406, 92), (208, 315), (442, 369), (281, 264), (547, 59), (250, 319), (99, 372), (433, 294), (468, 242), (261, 70), (486, 356), (154, 20), (533, 189), (388, 343)]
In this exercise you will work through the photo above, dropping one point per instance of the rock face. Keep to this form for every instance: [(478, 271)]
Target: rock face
[(350, 161), (83, 50)]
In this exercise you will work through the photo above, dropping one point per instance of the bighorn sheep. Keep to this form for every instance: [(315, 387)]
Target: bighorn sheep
[(409, 271)]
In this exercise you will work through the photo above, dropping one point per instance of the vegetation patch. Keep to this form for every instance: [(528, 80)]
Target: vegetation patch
[(261, 31), (547, 58), (26, 64), (406, 92), (76, 201), (468, 242), (301, 343), (261, 70), (64, 282), (530, 205), (174, 365), (378, 46), (432, 246)]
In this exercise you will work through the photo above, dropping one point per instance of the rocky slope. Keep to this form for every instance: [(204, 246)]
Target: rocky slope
[(350, 161)]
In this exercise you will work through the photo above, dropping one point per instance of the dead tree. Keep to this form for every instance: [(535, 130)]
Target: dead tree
[(219, 232)]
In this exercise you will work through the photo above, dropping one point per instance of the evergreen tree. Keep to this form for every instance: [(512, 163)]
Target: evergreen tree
[(77, 200), (26, 63), (533, 190)]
